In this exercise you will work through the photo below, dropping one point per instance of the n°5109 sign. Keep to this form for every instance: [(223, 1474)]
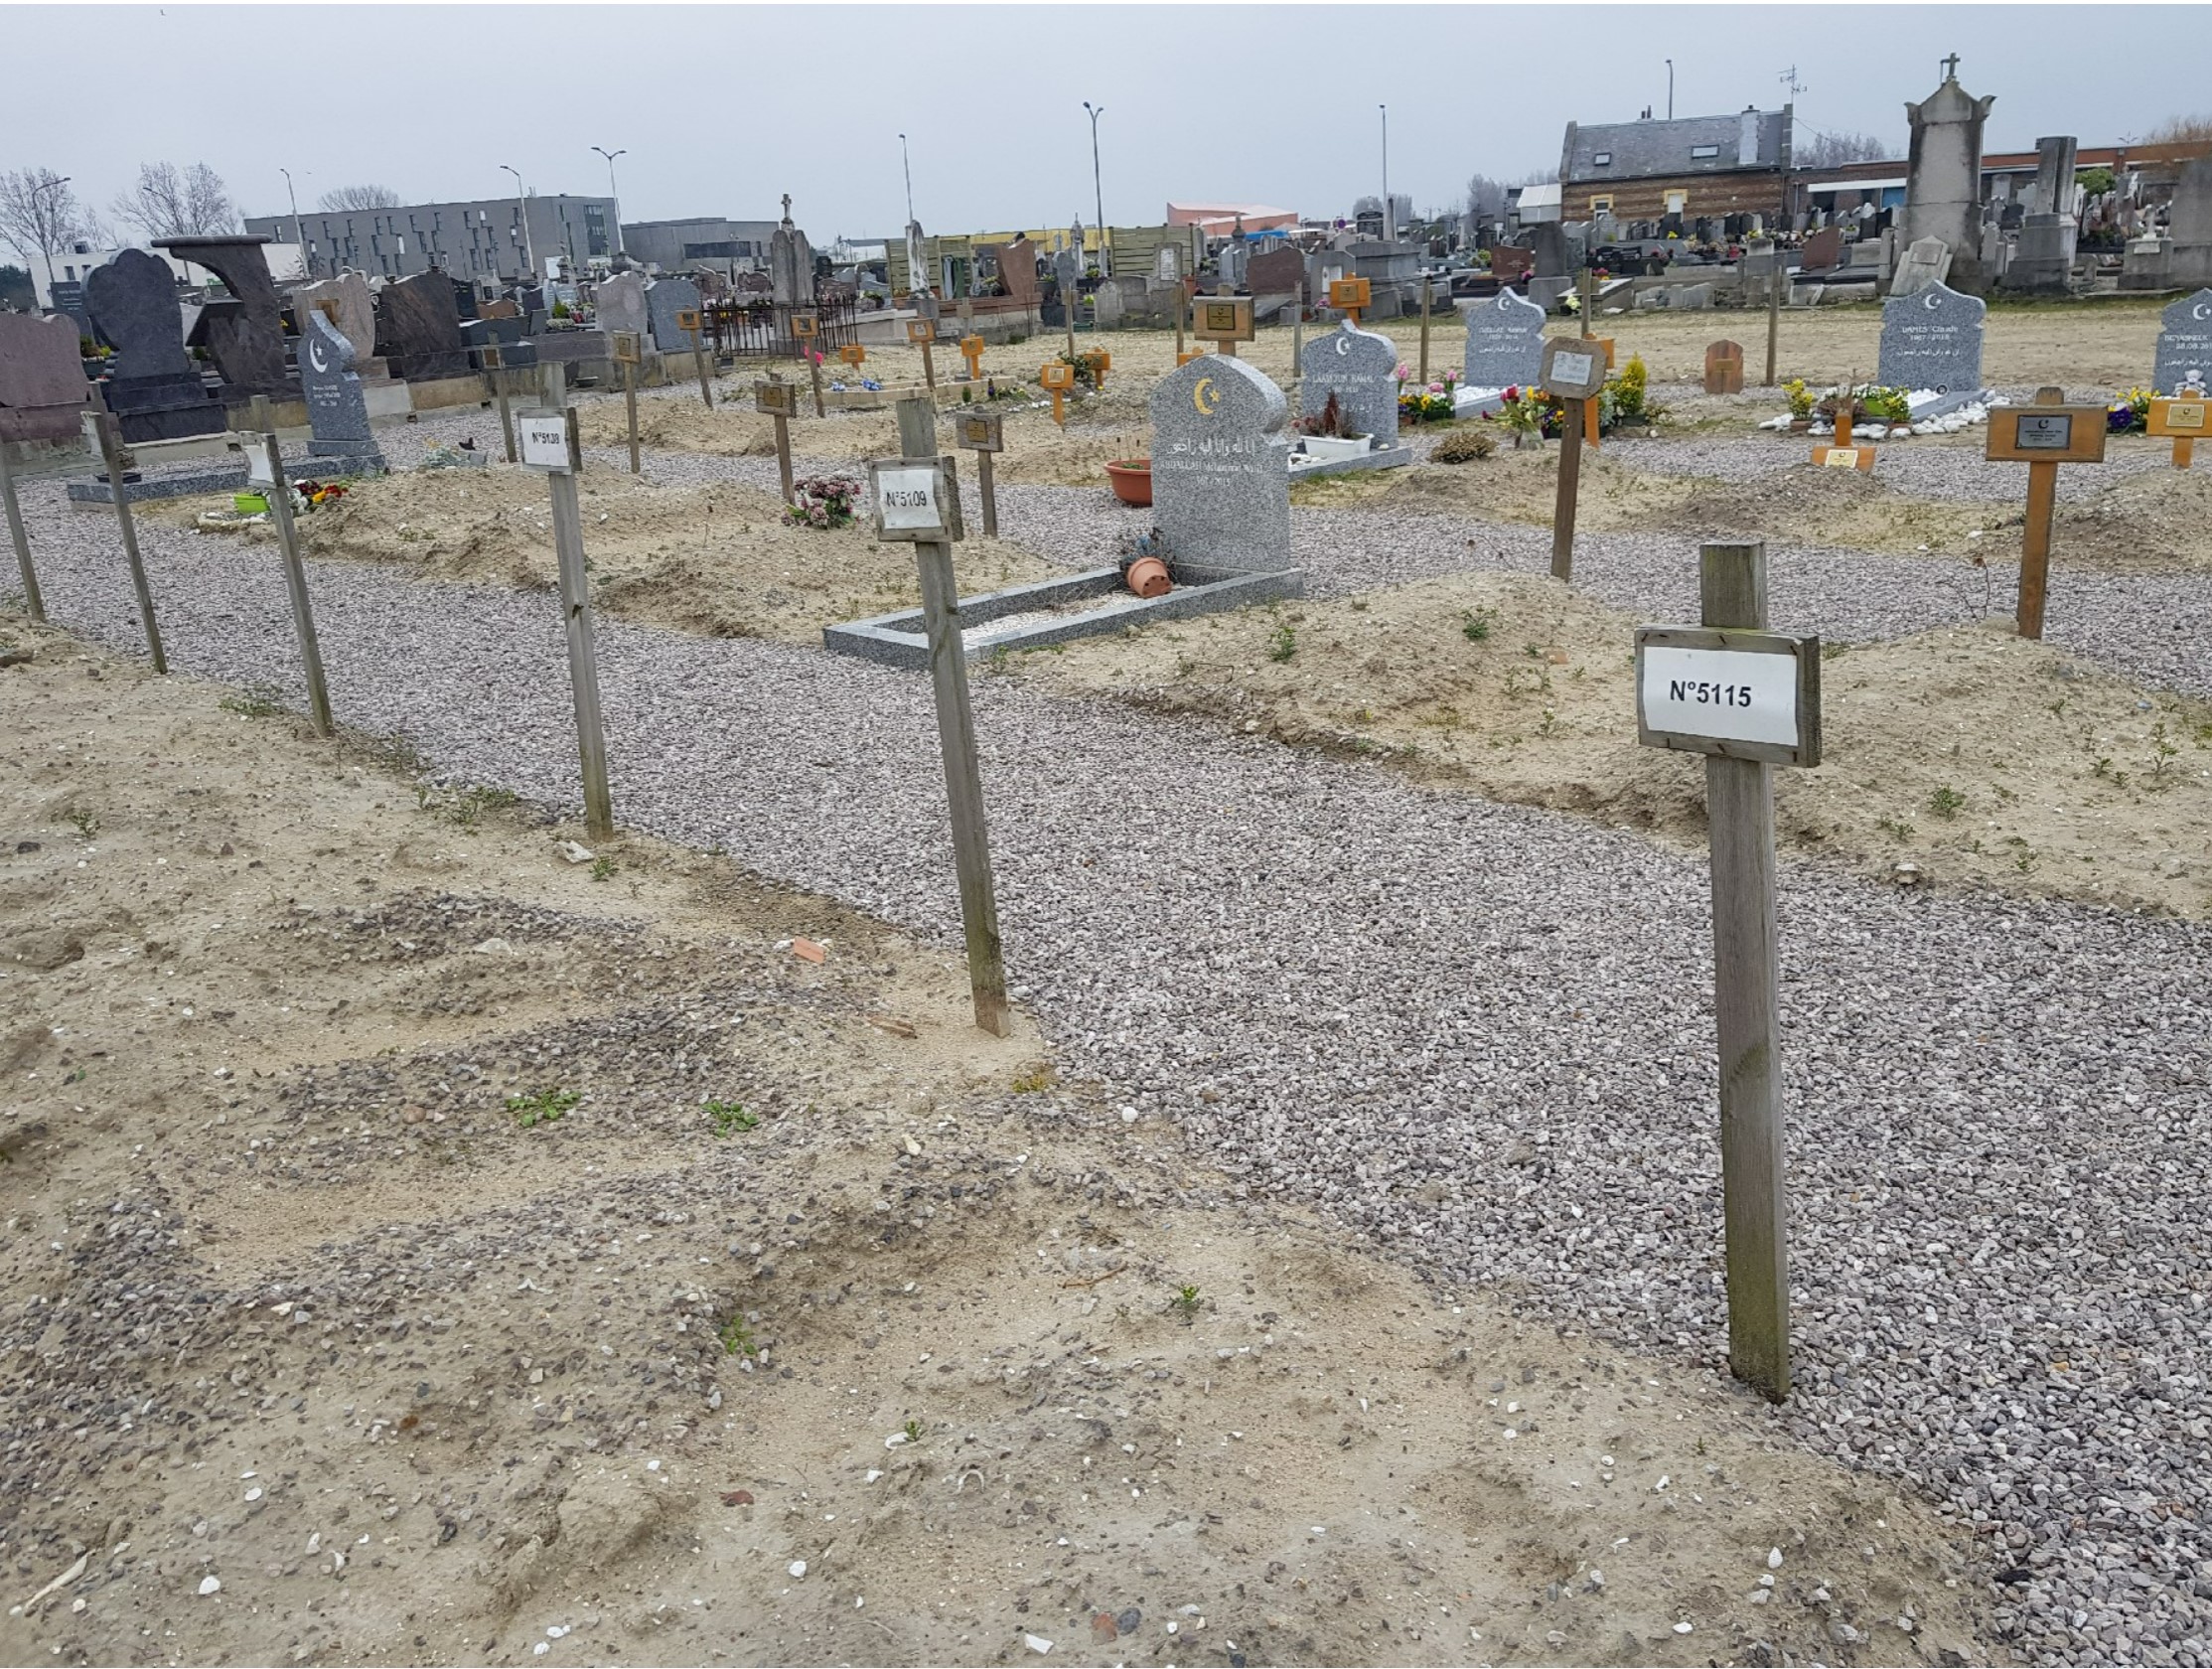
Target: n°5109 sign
[(1739, 694)]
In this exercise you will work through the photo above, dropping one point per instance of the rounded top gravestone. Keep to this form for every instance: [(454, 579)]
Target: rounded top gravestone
[(347, 302), (1932, 341), (620, 303), (665, 298), (1360, 367), (43, 390), (1221, 466), (1505, 343), (132, 301), (2184, 345)]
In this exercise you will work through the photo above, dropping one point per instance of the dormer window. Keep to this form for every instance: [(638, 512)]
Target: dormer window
[(1699, 153), (1603, 159)]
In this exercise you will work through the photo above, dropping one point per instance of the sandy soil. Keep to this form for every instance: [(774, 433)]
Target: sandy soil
[(325, 1353), (717, 560), (1973, 756)]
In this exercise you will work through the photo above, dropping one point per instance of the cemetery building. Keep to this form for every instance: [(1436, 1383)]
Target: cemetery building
[(726, 247), (485, 238), (1695, 167)]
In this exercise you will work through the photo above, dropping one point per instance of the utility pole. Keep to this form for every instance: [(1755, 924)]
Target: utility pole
[(1387, 217), (1098, 192), (907, 166), (610, 191), (1670, 90), (521, 204)]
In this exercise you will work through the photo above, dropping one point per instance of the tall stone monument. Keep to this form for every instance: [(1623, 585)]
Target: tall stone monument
[(1221, 466), (2189, 226), (336, 407), (2043, 260), (153, 387), (790, 264), (243, 330), (919, 279), (1943, 183)]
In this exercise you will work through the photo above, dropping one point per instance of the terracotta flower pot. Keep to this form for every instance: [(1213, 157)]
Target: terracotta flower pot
[(1133, 481), (1147, 575)]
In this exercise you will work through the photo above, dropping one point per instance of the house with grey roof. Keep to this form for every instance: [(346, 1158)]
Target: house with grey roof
[(1697, 167)]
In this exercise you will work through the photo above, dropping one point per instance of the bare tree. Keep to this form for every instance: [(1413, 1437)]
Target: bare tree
[(1485, 198), (358, 197), (39, 215), (2180, 130), (173, 203), (1832, 150)]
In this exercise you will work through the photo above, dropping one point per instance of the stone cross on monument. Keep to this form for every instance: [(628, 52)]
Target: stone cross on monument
[(786, 208), (1950, 74)]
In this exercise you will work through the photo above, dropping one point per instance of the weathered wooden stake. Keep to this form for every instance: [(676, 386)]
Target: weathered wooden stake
[(989, 492), (295, 581), (506, 410), (1739, 805), (1589, 302), (698, 360), (955, 727), (928, 368), (32, 601), (1427, 292), (1774, 312), (814, 370), (2035, 540), (1182, 316), (782, 457), (630, 401), (1570, 485), (583, 657), (111, 449)]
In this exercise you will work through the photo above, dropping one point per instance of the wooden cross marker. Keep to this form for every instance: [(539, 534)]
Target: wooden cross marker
[(1573, 372), (780, 400), (688, 319), (1842, 452), (492, 361), (1351, 296), (550, 442), (922, 333), (804, 328), (2043, 436), (1224, 321), (1748, 699), (628, 349), (854, 355), (917, 499), (1058, 377), (971, 349), (2182, 421), (111, 452), (32, 600)]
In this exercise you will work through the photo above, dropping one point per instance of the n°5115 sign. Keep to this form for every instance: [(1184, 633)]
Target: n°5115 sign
[(1742, 695)]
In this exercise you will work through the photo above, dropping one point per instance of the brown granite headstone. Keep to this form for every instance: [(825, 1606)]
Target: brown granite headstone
[(43, 390), (1280, 271), (1823, 251), (1724, 367), (1017, 270), (1509, 264)]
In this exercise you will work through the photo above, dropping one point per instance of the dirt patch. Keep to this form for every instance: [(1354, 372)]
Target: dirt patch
[(1970, 755), (716, 560), (421, 1251)]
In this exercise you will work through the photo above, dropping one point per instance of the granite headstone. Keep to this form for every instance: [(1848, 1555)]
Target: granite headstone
[(1279, 271), (1018, 272), (347, 302), (1221, 469), (336, 408), (418, 329), (1932, 341), (1360, 367), (245, 331), (2184, 345), (620, 303), (1505, 341), (153, 387), (664, 299), (1926, 261), (43, 391)]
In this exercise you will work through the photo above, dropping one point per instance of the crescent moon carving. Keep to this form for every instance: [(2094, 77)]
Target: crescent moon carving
[(1343, 346), (1206, 397), (315, 357), (2201, 310), (1933, 302)]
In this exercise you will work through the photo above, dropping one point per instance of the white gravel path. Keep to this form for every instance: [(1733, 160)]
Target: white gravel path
[(1479, 1033)]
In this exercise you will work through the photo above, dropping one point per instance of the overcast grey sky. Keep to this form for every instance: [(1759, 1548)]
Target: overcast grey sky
[(722, 108)]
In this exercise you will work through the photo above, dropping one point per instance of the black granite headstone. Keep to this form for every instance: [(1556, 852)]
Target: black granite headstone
[(153, 387), (418, 329), (336, 407)]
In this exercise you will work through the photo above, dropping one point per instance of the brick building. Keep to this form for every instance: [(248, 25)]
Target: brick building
[(1697, 167)]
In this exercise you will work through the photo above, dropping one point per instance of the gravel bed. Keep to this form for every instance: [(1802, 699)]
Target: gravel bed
[(1481, 1034), (1920, 469)]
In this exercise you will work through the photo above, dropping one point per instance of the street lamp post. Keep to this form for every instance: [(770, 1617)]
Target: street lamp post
[(521, 204), (610, 191), (1389, 232), (297, 232), (50, 185), (1670, 90), (1098, 192), (907, 168)]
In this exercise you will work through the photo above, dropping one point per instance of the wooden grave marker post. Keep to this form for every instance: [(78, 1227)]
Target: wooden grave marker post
[(852, 356), (111, 453), (922, 333), (32, 601), (1589, 302), (627, 351), (1842, 452), (550, 443), (971, 349), (1428, 291), (1723, 368), (1748, 699), (804, 329), (917, 500), (1351, 296), (982, 434), (1224, 321), (1057, 376), (492, 362), (688, 319), (1182, 315), (1774, 313), (779, 400), (265, 470), (1573, 370), (2183, 422), (2043, 436)]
